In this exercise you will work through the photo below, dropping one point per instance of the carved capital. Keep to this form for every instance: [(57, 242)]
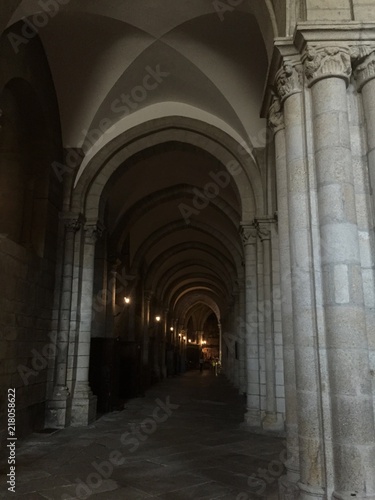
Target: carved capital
[(93, 232), (363, 59), (248, 234), (288, 80), (276, 116), (263, 227), (326, 62), (72, 222)]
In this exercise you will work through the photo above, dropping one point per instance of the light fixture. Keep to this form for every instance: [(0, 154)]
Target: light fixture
[(171, 328), (204, 342), (190, 340), (179, 335), (127, 300), (158, 318), (184, 338)]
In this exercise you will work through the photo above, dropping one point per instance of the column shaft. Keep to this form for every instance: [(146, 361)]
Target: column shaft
[(291, 421), (312, 479), (84, 403), (252, 416), (346, 337)]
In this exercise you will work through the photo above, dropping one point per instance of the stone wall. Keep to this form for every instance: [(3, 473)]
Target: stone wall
[(30, 141), (25, 323)]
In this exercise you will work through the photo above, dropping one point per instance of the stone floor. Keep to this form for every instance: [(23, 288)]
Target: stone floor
[(184, 440)]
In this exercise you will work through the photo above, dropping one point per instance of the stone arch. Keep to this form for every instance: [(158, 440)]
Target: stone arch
[(216, 272), (216, 255), (146, 204), (234, 250), (237, 159)]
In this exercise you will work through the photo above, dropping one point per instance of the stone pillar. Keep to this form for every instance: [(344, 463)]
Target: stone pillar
[(234, 329), (288, 483), (146, 333), (84, 402), (363, 57), (311, 448), (328, 70), (242, 336), (249, 239), (58, 408), (364, 62), (163, 343), (272, 420)]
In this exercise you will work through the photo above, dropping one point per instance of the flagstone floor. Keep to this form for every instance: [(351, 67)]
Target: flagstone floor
[(183, 440)]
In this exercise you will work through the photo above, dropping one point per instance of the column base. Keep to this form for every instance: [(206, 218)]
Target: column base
[(287, 489), (350, 495), (58, 410), (252, 418), (83, 409), (273, 422), (309, 493)]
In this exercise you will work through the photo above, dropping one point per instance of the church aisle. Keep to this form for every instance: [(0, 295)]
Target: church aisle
[(184, 440)]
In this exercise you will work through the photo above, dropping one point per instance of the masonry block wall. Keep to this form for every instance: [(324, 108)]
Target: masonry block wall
[(30, 202)]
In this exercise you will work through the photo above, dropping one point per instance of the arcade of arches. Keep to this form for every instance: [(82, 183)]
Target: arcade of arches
[(185, 178)]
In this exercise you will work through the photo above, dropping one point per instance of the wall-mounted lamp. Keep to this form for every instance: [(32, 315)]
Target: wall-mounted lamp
[(158, 318), (127, 300), (189, 340), (171, 329), (184, 339)]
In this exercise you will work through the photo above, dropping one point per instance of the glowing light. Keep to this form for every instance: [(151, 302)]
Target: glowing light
[(158, 318), (127, 300), (171, 328)]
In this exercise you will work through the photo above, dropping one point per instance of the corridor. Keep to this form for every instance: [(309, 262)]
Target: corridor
[(183, 440)]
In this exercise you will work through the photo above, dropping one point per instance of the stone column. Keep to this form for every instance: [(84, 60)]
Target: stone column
[(240, 322), (312, 478), (328, 70), (363, 57), (84, 402), (146, 334), (163, 343), (249, 239), (364, 62), (272, 420), (58, 407), (234, 329), (289, 482)]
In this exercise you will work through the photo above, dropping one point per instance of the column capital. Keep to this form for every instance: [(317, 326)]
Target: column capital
[(288, 79), (276, 116), (248, 234), (93, 231), (263, 227), (72, 222), (326, 62), (363, 59)]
